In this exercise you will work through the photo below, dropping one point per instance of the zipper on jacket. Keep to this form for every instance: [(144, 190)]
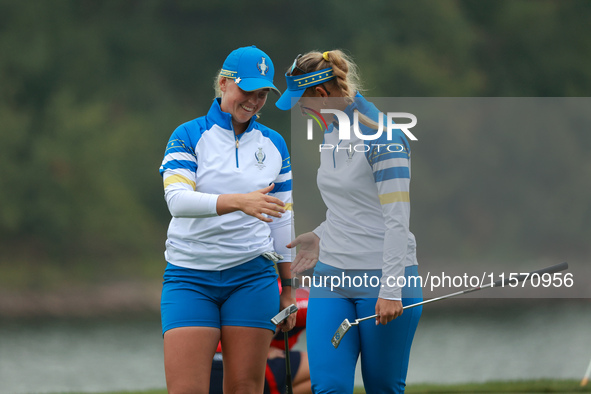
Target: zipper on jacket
[(237, 145), (334, 160), (237, 142)]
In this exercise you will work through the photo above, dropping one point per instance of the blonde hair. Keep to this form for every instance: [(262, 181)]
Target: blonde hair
[(216, 84), (347, 79), (345, 70)]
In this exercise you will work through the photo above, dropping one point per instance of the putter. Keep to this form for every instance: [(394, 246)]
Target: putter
[(346, 324), (278, 319)]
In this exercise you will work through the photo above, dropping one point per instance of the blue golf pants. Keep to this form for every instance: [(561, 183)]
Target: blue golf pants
[(384, 350)]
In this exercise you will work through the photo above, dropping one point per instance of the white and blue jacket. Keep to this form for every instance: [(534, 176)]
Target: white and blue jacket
[(203, 159), (365, 185)]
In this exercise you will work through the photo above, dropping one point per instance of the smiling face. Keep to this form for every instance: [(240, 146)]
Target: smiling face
[(242, 105)]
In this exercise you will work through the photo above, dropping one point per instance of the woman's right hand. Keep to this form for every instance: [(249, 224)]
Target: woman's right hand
[(307, 256), (257, 204)]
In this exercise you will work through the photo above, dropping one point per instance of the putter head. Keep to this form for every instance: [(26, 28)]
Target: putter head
[(341, 331), (284, 314)]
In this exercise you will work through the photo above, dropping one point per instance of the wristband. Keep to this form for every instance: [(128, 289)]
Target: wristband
[(286, 282)]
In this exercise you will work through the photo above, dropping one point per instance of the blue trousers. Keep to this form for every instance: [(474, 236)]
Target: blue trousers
[(384, 350)]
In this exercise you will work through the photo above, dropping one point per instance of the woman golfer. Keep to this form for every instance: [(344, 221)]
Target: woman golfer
[(227, 183), (364, 242)]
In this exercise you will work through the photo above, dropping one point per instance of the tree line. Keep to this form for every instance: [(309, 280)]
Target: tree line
[(91, 90)]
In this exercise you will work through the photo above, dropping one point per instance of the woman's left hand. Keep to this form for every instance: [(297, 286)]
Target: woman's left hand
[(387, 310), (286, 300)]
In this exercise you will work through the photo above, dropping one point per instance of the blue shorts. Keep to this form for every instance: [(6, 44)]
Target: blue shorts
[(246, 295)]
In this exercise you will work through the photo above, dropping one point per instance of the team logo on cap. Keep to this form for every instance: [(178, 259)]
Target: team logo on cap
[(262, 66)]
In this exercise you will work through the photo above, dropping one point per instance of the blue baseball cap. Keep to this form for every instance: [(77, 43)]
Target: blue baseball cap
[(297, 85), (250, 68)]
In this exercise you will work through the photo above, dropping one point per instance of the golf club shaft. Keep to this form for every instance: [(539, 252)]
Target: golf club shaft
[(288, 383), (500, 282)]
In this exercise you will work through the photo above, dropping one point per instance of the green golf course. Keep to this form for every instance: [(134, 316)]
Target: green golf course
[(526, 386)]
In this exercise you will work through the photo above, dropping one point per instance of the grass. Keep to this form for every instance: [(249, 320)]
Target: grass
[(529, 386), (526, 386)]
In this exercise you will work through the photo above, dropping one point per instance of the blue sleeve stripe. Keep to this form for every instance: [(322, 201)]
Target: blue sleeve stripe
[(282, 187), (391, 173), (376, 158), (176, 164), (179, 144), (179, 149), (285, 169), (279, 142)]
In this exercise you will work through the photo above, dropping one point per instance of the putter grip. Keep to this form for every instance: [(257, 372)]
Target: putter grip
[(548, 270)]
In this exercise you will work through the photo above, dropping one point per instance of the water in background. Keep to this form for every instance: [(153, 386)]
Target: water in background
[(457, 341)]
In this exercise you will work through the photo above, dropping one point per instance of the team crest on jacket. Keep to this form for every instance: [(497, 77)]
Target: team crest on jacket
[(350, 153), (262, 66), (260, 156)]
